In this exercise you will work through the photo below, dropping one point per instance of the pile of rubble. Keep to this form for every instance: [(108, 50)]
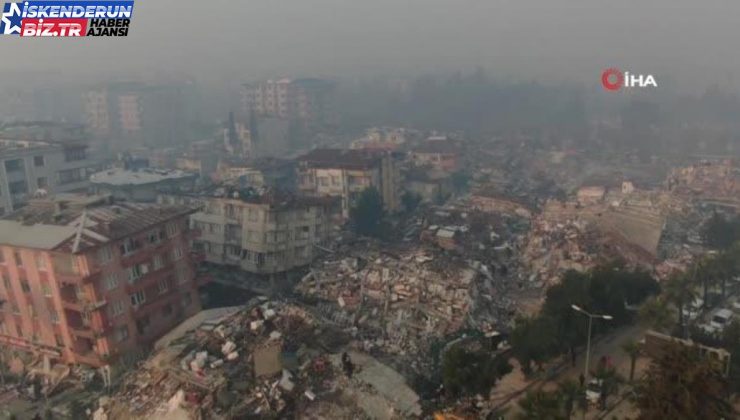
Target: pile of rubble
[(399, 304), (267, 360)]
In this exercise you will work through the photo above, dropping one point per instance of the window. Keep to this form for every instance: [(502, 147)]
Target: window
[(182, 275), (38, 161), (135, 272), (25, 286), (16, 311), (70, 176), (46, 289), (40, 262), (116, 308), (157, 262), (53, 316), (14, 165), (18, 259), (42, 182), (59, 341), (6, 281), (121, 333), (18, 330), (18, 187), (74, 154), (129, 246), (176, 253), (154, 237), (162, 286), (104, 255), (142, 325), (32, 311), (171, 229), (186, 299), (111, 281), (137, 298)]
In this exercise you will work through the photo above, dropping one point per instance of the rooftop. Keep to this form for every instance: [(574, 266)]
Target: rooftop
[(55, 223), (120, 176), (438, 146), (341, 158)]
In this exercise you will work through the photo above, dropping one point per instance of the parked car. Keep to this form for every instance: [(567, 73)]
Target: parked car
[(721, 318)]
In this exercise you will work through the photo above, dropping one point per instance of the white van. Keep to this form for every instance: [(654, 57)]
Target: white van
[(721, 319)]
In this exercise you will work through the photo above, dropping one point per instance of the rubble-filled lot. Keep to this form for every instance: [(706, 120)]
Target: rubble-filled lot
[(267, 360)]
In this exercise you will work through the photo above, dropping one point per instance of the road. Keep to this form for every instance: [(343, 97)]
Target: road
[(609, 345)]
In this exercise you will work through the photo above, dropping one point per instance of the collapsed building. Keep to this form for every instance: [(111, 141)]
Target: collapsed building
[(265, 360)]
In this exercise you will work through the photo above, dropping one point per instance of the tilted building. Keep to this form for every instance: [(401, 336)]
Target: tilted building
[(86, 280)]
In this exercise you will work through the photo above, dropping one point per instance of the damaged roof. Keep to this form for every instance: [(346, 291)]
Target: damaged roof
[(54, 223)]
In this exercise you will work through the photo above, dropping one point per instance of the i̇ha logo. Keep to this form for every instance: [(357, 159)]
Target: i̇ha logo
[(614, 79)]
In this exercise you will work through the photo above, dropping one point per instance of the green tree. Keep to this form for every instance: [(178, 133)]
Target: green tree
[(632, 349), (683, 385), (410, 201), (679, 290), (569, 391), (534, 340), (541, 405), (471, 372), (720, 233), (367, 213), (655, 313), (460, 181)]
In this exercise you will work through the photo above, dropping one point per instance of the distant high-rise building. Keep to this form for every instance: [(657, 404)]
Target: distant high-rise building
[(308, 101), (155, 114)]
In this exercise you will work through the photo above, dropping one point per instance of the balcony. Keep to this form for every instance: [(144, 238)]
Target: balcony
[(73, 305), (77, 278), (82, 331), (197, 257), (137, 257), (192, 234), (89, 358)]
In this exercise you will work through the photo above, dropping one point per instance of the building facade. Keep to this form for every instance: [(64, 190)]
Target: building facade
[(347, 173), (86, 281), (31, 167), (306, 100), (260, 233), (137, 111)]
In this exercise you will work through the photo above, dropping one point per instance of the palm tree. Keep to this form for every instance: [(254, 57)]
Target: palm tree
[(656, 314), (632, 349), (569, 391)]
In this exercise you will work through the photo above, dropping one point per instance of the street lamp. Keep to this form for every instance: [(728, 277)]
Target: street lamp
[(588, 340)]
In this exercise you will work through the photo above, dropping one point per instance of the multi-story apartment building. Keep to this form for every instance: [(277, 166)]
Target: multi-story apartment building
[(137, 110), (346, 173), (30, 167), (264, 233), (439, 153), (85, 280), (309, 101)]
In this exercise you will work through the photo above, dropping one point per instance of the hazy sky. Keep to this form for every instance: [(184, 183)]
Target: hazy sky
[(693, 42)]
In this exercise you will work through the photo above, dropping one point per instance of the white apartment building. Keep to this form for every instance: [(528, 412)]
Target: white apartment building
[(35, 167), (260, 233)]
